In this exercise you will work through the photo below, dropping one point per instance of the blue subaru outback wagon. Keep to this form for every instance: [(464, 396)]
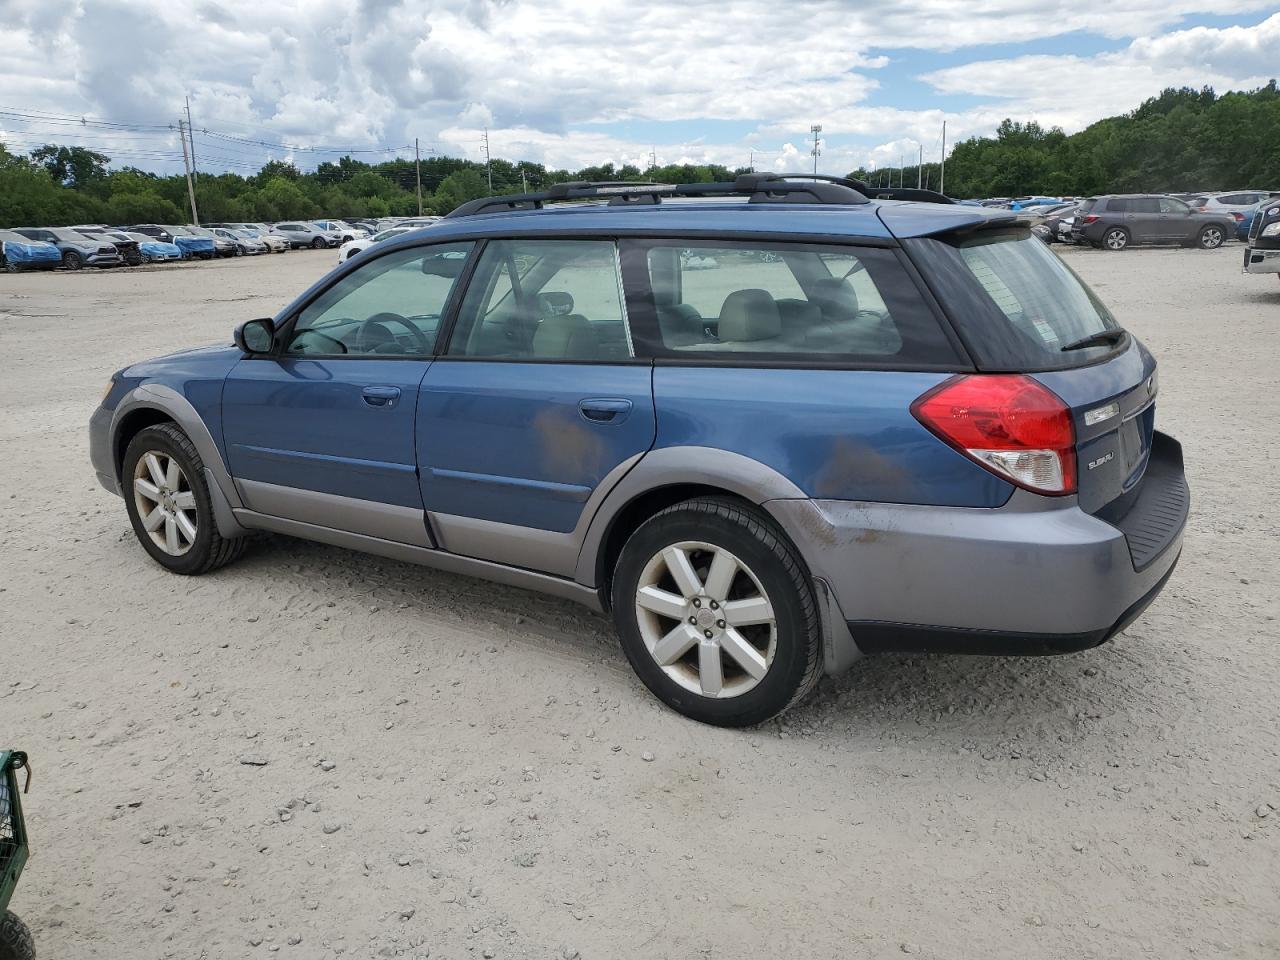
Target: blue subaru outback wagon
[(769, 426)]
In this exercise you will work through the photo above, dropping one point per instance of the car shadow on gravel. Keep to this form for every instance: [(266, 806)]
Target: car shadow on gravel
[(950, 699)]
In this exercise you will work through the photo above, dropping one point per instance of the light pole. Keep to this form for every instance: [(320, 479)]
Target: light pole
[(816, 129)]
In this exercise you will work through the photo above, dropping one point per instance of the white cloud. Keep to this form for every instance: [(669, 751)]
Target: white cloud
[(563, 82)]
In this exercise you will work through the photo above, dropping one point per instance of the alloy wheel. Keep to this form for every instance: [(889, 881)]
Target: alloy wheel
[(165, 502), (706, 620), (1211, 239), (1117, 240)]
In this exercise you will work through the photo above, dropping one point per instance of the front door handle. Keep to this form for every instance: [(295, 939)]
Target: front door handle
[(381, 396), (605, 409)]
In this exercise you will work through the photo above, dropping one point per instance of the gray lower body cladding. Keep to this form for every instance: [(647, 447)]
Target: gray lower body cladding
[(1038, 575)]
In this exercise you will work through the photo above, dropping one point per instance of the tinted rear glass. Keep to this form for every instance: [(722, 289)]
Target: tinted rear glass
[(791, 302), (1013, 300)]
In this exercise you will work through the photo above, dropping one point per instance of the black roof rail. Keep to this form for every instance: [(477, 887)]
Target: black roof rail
[(757, 187)]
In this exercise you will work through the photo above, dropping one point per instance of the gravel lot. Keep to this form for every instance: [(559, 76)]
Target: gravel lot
[(321, 753)]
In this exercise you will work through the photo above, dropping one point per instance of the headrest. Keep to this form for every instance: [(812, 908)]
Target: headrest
[(567, 337), (555, 304), (835, 297), (749, 315)]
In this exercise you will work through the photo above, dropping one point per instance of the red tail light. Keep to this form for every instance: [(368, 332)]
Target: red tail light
[(1010, 424), (1239, 216), (1091, 218)]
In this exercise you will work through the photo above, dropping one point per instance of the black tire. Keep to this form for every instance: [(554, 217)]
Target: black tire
[(133, 260), (210, 550), (1211, 237), (15, 939), (752, 537), (72, 260), (1115, 239), (318, 244), (11, 267)]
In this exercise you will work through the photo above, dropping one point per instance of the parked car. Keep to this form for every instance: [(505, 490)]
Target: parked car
[(152, 250), (345, 231), (352, 247), (222, 246), (128, 249), (1263, 253), (1239, 205), (300, 234), (19, 253), (418, 223), (1119, 221), (273, 243), (189, 243), (75, 249), (1052, 224), (244, 242), (761, 470)]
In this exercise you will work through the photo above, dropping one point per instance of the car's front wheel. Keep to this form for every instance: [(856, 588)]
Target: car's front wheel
[(72, 260), (318, 243), (169, 505), (717, 614)]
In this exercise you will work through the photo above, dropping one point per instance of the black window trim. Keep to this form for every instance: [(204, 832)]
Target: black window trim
[(442, 343), (640, 305)]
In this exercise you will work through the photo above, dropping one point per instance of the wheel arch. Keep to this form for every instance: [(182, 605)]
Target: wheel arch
[(152, 403), (665, 477)]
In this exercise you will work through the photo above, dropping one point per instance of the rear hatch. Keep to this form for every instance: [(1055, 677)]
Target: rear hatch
[(1021, 310)]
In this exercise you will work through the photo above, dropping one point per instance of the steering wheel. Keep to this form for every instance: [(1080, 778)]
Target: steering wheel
[(364, 338)]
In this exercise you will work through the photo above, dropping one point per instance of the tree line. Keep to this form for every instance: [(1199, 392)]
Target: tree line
[(1181, 140)]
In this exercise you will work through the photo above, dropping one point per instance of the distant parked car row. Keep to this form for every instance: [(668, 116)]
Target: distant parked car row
[(1118, 221), (100, 245)]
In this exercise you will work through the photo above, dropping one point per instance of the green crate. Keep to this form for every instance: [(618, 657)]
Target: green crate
[(13, 831)]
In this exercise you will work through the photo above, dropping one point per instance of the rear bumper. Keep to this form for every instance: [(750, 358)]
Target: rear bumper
[(1038, 575), (1261, 261)]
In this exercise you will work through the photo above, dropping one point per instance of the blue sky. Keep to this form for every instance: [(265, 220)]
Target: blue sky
[(571, 83)]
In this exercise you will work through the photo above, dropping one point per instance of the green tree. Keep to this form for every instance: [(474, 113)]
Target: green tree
[(75, 167)]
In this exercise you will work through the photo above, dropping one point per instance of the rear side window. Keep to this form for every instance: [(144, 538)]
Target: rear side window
[(758, 301), (1016, 304), (1118, 205), (544, 300)]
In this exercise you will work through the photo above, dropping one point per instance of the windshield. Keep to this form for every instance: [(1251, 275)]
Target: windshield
[(199, 232), (1014, 301)]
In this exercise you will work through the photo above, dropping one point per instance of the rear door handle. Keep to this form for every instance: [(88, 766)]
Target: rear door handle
[(381, 396), (605, 409)]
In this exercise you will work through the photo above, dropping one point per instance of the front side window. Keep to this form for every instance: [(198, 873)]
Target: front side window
[(544, 300), (758, 300), (390, 306)]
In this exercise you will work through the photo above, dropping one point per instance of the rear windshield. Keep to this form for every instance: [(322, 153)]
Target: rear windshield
[(1013, 300)]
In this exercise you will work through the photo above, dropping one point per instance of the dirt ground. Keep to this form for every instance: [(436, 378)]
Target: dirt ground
[(326, 754)]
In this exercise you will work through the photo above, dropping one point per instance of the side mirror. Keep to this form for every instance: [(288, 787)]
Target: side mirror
[(256, 337)]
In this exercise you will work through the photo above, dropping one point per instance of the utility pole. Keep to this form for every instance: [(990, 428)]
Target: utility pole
[(417, 170), (653, 159), (751, 161), (488, 164), (186, 165), (191, 140), (524, 183), (816, 129), (902, 169), (942, 173), (920, 169)]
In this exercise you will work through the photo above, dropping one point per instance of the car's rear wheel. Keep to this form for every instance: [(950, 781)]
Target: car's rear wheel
[(1211, 238), (72, 260), (716, 613), (1117, 238), (169, 505)]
